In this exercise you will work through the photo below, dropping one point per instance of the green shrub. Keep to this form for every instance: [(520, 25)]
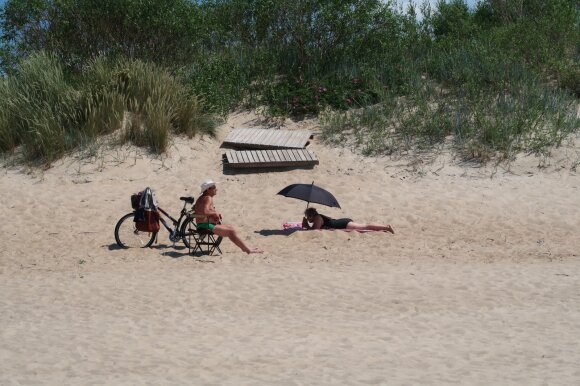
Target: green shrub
[(47, 113)]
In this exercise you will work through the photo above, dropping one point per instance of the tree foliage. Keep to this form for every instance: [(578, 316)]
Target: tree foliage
[(294, 57), (80, 30)]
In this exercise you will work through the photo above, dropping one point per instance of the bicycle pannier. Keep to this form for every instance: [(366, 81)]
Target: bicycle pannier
[(150, 220), (146, 214), (135, 200)]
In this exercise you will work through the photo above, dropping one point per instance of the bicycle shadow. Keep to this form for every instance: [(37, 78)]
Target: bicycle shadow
[(277, 232)]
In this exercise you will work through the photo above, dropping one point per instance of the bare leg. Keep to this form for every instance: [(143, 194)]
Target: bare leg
[(231, 233), (370, 227)]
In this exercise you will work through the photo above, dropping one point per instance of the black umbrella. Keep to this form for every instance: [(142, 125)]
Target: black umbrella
[(310, 193)]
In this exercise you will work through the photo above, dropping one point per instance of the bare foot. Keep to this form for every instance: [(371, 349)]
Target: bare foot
[(255, 250), (390, 229)]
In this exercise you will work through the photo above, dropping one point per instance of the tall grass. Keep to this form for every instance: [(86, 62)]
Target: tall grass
[(45, 113), (524, 117), (161, 104), (40, 110)]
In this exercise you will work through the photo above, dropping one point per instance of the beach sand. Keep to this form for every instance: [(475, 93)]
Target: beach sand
[(480, 285)]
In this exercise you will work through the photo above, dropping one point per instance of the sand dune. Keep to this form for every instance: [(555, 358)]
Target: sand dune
[(479, 285)]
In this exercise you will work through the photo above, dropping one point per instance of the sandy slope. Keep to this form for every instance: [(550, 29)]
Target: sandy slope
[(480, 284)]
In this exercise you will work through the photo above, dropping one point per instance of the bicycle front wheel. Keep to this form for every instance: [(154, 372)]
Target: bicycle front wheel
[(127, 235)]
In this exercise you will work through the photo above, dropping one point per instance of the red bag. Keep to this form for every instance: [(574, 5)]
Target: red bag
[(149, 221)]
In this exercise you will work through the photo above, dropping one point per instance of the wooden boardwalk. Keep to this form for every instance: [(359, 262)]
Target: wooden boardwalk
[(269, 158), (268, 138)]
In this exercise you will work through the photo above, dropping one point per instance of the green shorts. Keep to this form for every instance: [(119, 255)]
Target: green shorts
[(206, 226)]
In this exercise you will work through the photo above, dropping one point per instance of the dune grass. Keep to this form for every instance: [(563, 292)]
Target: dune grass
[(44, 113)]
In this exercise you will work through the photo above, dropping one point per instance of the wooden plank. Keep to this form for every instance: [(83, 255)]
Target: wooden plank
[(282, 156), (282, 140), (267, 138), (276, 134), (290, 139), (247, 157), (244, 136), (264, 155), (301, 138), (232, 136), (295, 140), (250, 155), (275, 138), (269, 158), (291, 154), (288, 142), (308, 155), (299, 154), (249, 134), (258, 156), (230, 156), (304, 154), (237, 158)]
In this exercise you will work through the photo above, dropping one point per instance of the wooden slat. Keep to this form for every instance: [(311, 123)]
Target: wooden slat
[(277, 156), (233, 136), (299, 155), (283, 157), (245, 157), (230, 156), (238, 159), (250, 155), (291, 139), (271, 155)]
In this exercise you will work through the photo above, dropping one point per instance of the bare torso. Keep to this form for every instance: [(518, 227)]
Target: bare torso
[(205, 210)]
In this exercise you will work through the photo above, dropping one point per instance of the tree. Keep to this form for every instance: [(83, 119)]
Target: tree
[(78, 30)]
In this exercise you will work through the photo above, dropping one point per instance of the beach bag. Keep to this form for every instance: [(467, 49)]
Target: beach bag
[(147, 220), (146, 214)]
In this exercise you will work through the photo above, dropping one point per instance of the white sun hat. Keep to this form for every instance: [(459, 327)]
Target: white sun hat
[(205, 185)]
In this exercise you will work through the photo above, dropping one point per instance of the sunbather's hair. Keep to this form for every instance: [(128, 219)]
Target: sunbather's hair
[(310, 212)]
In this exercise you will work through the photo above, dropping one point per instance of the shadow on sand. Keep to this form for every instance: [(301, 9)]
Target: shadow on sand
[(277, 232)]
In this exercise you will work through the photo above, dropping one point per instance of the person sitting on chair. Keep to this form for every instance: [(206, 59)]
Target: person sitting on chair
[(320, 221), (208, 218)]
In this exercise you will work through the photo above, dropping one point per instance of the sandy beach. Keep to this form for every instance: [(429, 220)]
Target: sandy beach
[(480, 284)]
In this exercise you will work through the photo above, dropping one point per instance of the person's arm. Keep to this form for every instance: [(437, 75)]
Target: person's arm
[(317, 224)]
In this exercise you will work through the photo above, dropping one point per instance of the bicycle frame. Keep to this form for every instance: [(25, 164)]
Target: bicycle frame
[(173, 232)]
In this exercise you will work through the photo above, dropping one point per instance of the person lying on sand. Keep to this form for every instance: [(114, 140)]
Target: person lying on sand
[(320, 221), (207, 217)]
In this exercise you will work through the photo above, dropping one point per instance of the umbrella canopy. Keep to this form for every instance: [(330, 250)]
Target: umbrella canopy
[(310, 193)]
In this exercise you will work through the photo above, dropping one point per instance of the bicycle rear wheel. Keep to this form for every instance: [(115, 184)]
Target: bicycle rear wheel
[(127, 236), (187, 230)]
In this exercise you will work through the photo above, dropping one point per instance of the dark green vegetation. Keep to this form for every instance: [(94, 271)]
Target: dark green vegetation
[(498, 79)]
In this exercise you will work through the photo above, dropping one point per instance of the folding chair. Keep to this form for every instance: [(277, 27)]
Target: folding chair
[(206, 242)]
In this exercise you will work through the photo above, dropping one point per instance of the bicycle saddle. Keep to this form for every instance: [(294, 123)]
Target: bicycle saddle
[(189, 200)]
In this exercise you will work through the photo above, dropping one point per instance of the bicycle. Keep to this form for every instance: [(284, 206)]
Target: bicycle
[(184, 229)]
